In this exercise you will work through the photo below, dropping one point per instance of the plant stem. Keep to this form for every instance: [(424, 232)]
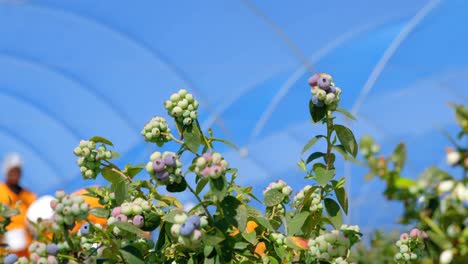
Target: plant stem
[(173, 138), (200, 201), (329, 144)]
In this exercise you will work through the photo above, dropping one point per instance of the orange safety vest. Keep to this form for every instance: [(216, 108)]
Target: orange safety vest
[(18, 221)]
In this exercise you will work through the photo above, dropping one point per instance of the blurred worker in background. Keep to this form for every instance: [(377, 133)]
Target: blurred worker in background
[(15, 196)]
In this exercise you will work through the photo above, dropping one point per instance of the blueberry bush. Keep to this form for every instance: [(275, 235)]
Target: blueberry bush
[(305, 226)]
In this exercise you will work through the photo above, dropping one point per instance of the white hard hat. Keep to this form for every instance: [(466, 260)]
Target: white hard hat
[(40, 209), (12, 160)]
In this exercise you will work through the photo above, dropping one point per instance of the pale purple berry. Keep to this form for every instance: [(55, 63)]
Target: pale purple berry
[(116, 211), (323, 82), (10, 259), (414, 233), (207, 156), (313, 80), (52, 249), (332, 89), (195, 220), (206, 172), (121, 218), (138, 220), (158, 165), (170, 160), (186, 229), (162, 176)]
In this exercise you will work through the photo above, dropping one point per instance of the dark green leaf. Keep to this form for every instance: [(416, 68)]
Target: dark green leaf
[(152, 221), (323, 176), (130, 258), (99, 139), (314, 156), (99, 212), (317, 113), (112, 175), (346, 113), (213, 240), (334, 212), (296, 223), (345, 155), (235, 213), (346, 137), (342, 198), (121, 193), (177, 187), (134, 170), (129, 228), (200, 185), (192, 137), (311, 142), (273, 197)]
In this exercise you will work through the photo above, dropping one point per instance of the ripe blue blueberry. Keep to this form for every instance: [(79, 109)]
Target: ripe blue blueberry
[(158, 165), (52, 249), (84, 229), (332, 89), (170, 160), (162, 176), (195, 220), (10, 259), (186, 229)]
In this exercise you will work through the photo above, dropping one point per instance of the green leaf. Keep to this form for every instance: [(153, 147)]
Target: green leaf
[(346, 156), (346, 137), (296, 223), (112, 175), (235, 213), (225, 142), (314, 156), (342, 198), (200, 185), (311, 142), (132, 171), (265, 223), (404, 183), (399, 157), (345, 113), (121, 193), (192, 137), (213, 240), (323, 176), (177, 187), (317, 113), (272, 197), (152, 221), (130, 258), (99, 139), (99, 212), (250, 237), (129, 228), (334, 212), (219, 188)]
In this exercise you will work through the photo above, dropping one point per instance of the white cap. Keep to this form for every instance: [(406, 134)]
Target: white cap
[(12, 160), (40, 209)]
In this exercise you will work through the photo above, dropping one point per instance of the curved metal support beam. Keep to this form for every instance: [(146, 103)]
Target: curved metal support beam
[(391, 50)]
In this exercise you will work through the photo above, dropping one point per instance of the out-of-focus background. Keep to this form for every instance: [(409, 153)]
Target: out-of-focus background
[(72, 69)]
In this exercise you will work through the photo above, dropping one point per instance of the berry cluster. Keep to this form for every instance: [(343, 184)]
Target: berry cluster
[(368, 147), (278, 238), (281, 186), (156, 131), (165, 167), (40, 254), (90, 158), (68, 209), (299, 200), (333, 245), (410, 245), (187, 229), (324, 90), (182, 106), (210, 164), (130, 212)]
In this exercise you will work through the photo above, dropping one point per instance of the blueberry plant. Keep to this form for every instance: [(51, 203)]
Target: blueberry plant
[(223, 227), (436, 202)]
